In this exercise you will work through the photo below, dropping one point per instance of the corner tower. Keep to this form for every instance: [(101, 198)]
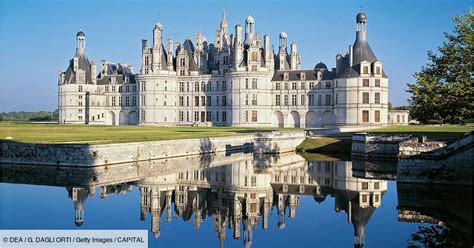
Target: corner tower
[(361, 85)]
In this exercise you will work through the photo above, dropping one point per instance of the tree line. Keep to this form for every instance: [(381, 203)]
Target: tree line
[(29, 116)]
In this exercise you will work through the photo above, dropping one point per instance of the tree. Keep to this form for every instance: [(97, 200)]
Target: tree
[(443, 92)]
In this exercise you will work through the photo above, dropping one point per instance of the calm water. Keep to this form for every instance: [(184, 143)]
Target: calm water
[(239, 200)]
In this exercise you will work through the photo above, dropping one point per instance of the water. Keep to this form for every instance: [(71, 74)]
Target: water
[(236, 200)]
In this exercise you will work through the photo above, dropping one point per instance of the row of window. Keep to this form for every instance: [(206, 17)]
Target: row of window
[(127, 102), (365, 116), (366, 97), (202, 101), (201, 116), (302, 85), (120, 88), (378, 70), (202, 86), (302, 99)]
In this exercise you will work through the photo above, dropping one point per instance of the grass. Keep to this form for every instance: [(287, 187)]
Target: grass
[(341, 143), (54, 133)]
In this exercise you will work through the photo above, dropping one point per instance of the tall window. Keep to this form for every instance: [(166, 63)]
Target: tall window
[(254, 83), (303, 100), (277, 100), (293, 86), (181, 86), (377, 82), (246, 99), (328, 85), (303, 85), (142, 115), (203, 101), (365, 97), (286, 100), (254, 56), (246, 116), (181, 101), (113, 101), (80, 88), (224, 100), (181, 116), (366, 70), (254, 99), (224, 116), (134, 101), (246, 83), (365, 116), (328, 100), (293, 100), (377, 97), (311, 85), (254, 115), (224, 85), (196, 101), (278, 86), (319, 99), (336, 98), (311, 99), (365, 82), (196, 86), (377, 115), (209, 102)]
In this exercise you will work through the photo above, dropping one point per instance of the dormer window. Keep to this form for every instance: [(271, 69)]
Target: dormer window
[(319, 75), (378, 71), (286, 76), (365, 70), (303, 76)]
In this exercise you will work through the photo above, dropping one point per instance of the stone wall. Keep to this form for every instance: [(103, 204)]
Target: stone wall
[(367, 145), (94, 155)]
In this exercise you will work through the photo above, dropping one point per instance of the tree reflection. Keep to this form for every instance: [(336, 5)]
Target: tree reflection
[(436, 236)]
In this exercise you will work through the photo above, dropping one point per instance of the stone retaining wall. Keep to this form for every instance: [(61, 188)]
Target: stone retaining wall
[(367, 145), (95, 155)]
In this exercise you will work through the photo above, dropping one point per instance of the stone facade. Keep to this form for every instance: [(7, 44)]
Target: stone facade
[(398, 117), (239, 80)]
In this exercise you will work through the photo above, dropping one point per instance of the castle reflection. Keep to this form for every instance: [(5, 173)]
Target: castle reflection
[(238, 192)]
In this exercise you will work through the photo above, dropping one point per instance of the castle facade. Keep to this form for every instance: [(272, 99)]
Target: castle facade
[(239, 80)]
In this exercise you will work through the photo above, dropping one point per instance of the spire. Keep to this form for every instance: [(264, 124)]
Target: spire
[(361, 47)]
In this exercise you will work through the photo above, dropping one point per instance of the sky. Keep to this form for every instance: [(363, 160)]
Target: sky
[(37, 38)]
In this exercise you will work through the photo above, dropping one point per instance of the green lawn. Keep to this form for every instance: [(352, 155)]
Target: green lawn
[(54, 133)]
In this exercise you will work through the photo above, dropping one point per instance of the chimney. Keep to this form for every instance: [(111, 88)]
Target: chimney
[(93, 72), (351, 54)]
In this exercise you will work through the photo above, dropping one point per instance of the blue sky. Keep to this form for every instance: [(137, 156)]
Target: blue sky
[(37, 38)]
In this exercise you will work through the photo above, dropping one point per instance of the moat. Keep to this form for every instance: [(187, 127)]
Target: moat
[(240, 199)]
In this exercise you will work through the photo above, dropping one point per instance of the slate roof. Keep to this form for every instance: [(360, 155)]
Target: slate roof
[(362, 50), (119, 71), (295, 75), (84, 64)]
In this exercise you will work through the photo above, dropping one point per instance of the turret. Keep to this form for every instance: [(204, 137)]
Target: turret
[(249, 29), (361, 49), (80, 43)]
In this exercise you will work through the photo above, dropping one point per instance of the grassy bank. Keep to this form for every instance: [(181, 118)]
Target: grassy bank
[(341, 143), (54, 133)]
